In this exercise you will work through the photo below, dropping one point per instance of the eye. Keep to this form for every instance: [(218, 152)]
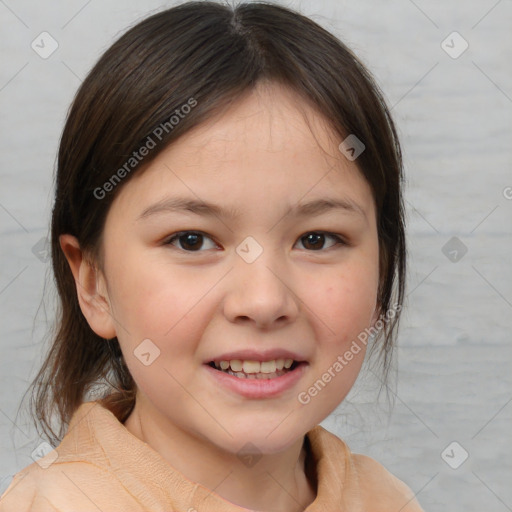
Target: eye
[(316, 239), (190, 241)]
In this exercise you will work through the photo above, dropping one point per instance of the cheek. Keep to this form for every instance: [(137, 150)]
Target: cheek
[(343, 309), (162, 303), (346, 304)]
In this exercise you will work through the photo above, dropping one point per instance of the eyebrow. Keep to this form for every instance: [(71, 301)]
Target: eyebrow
[(204, 208)]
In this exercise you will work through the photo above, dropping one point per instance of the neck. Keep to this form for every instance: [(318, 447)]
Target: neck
[(273, 483)]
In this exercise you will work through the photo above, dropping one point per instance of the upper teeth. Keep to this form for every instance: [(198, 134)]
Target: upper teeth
[(248, 366)]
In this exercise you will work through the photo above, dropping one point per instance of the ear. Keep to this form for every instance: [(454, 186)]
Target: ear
[(90, 287)]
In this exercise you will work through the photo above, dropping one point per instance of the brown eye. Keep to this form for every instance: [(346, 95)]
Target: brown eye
[(315, 240), (190, 241)]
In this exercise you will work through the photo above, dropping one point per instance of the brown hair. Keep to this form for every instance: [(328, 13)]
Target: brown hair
[(213, 53)]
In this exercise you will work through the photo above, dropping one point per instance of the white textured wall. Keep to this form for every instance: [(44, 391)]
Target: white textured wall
[(455, 120)]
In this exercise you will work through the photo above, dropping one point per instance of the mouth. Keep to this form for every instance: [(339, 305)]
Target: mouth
[(260, 370), (257, 375)]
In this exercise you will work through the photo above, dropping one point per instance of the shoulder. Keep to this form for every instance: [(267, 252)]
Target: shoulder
[(40, 489), (367, 482), (91, 468), (381, 489), (65, 487), (23, 493)]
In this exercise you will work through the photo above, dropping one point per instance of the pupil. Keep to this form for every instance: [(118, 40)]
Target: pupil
[(191, 239), (315, 238)]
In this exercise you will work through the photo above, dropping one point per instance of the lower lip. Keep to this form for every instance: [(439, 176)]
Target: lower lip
[(258, 388)]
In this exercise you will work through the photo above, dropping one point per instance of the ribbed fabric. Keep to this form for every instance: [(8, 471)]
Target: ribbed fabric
[(101, 466)]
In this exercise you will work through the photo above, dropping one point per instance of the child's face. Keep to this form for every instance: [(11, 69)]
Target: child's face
[(199, 299)]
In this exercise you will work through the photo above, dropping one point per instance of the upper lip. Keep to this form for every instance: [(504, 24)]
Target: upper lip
[(258, 355)]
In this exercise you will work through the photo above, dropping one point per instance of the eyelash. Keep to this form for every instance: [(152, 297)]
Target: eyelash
[(339, 240)]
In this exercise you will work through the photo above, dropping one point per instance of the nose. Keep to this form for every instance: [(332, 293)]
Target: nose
[(261, 293)]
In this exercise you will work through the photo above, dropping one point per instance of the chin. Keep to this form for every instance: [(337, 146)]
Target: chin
[(264, 436)]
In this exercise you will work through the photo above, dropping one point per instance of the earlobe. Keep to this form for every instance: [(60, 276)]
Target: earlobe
[(93, 298)]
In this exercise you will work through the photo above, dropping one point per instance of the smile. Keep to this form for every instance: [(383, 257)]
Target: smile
[(256, 379), (248, 369)]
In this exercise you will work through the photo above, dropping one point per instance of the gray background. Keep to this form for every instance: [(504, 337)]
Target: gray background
[(455, 121)]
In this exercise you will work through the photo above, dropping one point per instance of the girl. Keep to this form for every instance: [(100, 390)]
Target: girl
[(227, 230)]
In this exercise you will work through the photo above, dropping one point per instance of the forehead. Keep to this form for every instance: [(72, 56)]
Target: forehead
[(269, 147), (270, 119)]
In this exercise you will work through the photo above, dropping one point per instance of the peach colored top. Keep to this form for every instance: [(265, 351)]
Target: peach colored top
[(101, 466)]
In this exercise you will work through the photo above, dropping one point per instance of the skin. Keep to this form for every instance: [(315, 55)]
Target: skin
[(260, 156)]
